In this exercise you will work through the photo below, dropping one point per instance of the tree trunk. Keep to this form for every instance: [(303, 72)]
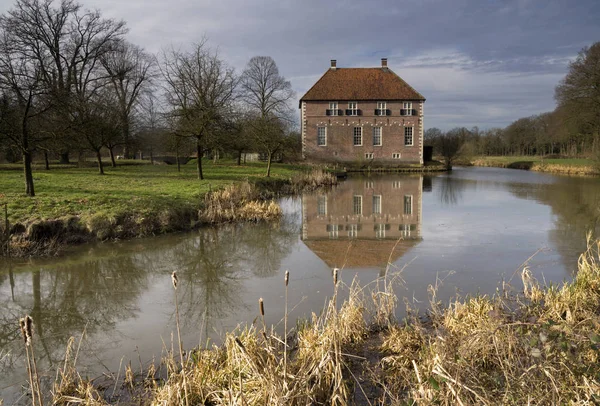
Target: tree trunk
[(112, 157), (239, 160), (199, 160), (64, 158), (269, 157), (100, 166), (46, 162), (29, 189), (177, 159), (126, 147)]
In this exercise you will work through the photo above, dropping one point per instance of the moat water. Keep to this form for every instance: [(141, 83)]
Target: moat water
[(468, 230)]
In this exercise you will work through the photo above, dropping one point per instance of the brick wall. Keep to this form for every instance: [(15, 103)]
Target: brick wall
[(340, 130)]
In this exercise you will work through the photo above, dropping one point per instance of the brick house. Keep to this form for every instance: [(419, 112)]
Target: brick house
[(362, 116)]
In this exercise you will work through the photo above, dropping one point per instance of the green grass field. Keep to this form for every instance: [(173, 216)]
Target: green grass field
[(64, 191)]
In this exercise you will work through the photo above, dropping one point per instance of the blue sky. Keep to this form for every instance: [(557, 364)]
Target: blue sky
[(478, 62)]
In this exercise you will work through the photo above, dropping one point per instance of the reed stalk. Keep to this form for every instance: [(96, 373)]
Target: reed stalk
[(175, 280), (26, 326), (285, 331)]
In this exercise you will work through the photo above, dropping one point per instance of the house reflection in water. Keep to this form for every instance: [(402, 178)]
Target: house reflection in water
[(364, 222)]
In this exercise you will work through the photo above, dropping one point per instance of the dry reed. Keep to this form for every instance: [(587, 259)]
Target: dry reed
[(238, 202)]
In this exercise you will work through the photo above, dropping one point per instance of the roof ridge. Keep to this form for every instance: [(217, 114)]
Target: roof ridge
[(411, 88), (311, 88)]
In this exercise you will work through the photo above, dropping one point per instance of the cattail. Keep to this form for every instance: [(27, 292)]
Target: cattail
[(335, 276), (287, 277), (174, 279), (262, 306), (26, 324)]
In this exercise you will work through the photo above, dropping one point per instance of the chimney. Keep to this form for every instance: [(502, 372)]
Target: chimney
[(384, 62), (333, 64)]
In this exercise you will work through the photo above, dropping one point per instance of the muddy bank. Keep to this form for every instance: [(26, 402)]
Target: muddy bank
[(244, 201)]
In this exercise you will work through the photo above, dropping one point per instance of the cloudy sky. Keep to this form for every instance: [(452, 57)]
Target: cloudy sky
[(478, 62)]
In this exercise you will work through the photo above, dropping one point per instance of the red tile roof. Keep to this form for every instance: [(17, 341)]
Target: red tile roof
[(361, 84)]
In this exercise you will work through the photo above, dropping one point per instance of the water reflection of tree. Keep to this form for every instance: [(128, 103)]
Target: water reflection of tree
[(450, 189), (576, 205), (209, 268), (65, 300), (268, 245)]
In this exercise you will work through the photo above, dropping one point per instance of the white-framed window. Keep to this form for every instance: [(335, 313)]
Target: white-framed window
[(321, 136), (381, 108), (408, 136), (376, 204), (369, 155), (408, 200), (405, 230), (396, 155), (352, 108), (333, 230), (369, 184), (353, 231), (407, 109), (357, 139), (376, 136), (379, 230), (322, 206), (357, 204), (333, 108), (396, 184)]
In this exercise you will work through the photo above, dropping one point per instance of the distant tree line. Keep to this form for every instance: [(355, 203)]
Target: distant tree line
[(572, 129), (72, 86)]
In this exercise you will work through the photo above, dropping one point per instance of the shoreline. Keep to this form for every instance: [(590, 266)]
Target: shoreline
[(49, 235), (551, 167), (244, 201)]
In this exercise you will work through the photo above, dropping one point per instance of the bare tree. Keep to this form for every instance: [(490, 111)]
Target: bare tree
[(264, 90), (451, 145), (97, 122), (21, 103), (130, 71), (62, 44), (200, 89), (267, 95)]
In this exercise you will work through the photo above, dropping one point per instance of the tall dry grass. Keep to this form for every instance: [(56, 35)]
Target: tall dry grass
[(541, 348), (309, 181), (238, 202), (256, 368)]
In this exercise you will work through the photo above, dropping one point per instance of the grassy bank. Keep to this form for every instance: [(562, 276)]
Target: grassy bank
[(528, 344), (76, 204), (568, 166)]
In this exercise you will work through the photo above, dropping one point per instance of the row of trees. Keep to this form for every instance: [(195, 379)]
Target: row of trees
[(70, 82), (572, 129)]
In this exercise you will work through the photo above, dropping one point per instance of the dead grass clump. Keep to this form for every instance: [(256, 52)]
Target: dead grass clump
[(69, 387), (539, 349), (312, 180), (239, 202), (254, 366)]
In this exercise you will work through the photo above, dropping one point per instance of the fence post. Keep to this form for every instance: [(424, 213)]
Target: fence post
[(6, 236)]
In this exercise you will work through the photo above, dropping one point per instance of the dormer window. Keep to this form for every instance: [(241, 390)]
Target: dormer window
[(333, 109), (381, 109), (352, 109), (407, 109)]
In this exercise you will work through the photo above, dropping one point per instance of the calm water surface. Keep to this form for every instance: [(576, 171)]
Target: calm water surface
[(470, 229)]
